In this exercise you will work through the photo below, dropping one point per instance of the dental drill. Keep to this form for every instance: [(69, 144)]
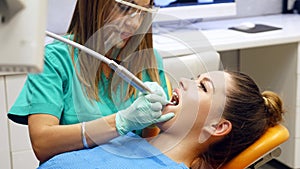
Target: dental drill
[(120, 70)]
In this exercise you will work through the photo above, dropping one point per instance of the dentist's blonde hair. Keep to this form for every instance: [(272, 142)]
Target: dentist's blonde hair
[(88, 18)]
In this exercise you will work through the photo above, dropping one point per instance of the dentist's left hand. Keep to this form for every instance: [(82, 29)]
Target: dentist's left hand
[(144, 111), (157, 89)]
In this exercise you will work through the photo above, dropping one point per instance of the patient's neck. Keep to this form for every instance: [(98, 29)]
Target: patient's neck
[(181, 149)]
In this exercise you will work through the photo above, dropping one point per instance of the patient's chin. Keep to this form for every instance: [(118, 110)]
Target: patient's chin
[(164, 126), (169, 109)]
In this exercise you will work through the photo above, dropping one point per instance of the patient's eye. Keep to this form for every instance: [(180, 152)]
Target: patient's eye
[(202, 86)]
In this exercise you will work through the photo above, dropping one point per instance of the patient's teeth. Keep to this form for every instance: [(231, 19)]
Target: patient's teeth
[(175, 99)]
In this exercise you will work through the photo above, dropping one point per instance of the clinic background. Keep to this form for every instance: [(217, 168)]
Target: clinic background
[(246, 8), (20, 155)]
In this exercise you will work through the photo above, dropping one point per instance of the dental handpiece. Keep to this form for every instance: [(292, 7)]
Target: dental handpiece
[(120, 70), (131, 79)]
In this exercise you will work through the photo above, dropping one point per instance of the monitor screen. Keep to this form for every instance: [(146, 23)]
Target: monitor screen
[(171, 10), (22, 35)]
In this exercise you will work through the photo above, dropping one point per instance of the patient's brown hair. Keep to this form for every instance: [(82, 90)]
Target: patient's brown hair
[(251, 114)]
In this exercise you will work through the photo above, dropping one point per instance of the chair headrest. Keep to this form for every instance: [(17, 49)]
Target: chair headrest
[(273, 137)]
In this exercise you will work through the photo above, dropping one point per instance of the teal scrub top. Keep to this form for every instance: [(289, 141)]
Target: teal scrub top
[(57, 91)]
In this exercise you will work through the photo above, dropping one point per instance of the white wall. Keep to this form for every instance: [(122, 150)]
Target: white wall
[(248, 8), (258, 7)]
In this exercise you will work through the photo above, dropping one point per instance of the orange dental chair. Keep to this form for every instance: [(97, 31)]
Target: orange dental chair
[(262, 151)]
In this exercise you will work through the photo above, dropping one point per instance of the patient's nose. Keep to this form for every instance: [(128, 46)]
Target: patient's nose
[(187, 84)]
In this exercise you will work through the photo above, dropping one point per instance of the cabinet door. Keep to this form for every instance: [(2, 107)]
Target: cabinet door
[(22, 153), (4, 148)]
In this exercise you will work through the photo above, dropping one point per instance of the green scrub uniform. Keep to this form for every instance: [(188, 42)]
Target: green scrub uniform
[(57, 91)]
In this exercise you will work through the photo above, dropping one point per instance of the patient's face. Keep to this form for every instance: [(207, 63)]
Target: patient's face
[(199, 101)]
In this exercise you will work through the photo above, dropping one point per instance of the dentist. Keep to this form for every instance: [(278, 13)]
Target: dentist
[(78, 102)]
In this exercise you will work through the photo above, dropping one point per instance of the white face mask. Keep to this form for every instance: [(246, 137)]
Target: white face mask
[(201, 106), (125, 20), (217, 105), (175, 130)]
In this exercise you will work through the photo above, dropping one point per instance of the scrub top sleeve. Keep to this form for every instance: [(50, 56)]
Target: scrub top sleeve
[(42, 93)]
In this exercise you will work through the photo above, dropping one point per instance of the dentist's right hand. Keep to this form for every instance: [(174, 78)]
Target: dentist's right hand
[(144, 111)]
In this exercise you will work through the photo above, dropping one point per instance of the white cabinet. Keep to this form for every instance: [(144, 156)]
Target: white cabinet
[(16, 152), (4, 136)]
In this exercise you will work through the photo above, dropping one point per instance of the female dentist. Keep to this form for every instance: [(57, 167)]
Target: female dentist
[(78, 102)]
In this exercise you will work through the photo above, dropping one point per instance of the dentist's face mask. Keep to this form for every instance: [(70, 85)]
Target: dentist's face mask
[(125, 19), (213, 83), (203, 100)]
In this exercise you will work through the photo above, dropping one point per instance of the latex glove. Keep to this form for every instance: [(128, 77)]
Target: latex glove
[(144, 111), (156, 89)]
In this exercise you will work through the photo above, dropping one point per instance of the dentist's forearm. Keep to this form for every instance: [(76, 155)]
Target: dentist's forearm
[(101, 130), (48, 138)]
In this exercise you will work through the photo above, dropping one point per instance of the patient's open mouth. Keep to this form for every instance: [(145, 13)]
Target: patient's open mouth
[(175, 98)]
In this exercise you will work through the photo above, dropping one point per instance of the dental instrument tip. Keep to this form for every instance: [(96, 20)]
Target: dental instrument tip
[(169, 102)]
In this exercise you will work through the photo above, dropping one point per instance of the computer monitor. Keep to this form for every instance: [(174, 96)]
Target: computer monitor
[(22, 35), (172, 10)]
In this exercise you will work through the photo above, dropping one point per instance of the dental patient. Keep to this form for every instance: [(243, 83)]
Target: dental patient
[(217, 116)]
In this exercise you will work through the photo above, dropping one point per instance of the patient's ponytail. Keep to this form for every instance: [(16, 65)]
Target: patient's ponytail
[(273, 107), (250, 112)]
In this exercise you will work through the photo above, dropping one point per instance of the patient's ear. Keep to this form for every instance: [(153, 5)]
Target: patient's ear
[(222, 128), (217, 130)]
